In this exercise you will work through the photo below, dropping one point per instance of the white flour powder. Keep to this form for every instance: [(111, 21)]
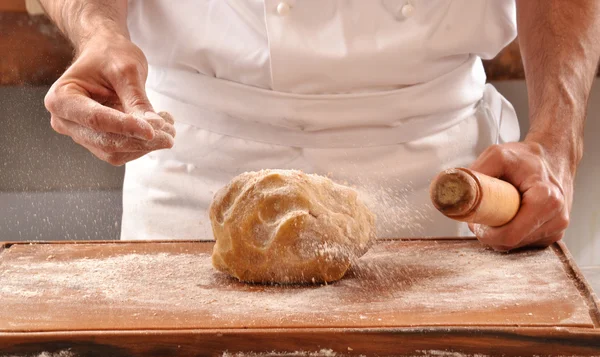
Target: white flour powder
[(420, 286)]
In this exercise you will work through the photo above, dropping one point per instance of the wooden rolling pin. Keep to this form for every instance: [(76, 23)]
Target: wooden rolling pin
[(469, 196)]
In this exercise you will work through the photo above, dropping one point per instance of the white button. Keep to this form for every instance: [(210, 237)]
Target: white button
[(283, 8), (407, 10)]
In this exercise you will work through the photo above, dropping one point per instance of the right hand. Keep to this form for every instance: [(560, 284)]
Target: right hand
[(101, 103)]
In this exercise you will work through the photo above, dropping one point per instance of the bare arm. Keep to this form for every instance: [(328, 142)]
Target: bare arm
[(79, 20), (100, 101), (560, 45)]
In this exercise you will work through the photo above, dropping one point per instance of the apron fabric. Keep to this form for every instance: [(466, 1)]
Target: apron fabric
[(375, 95), (167, 193)]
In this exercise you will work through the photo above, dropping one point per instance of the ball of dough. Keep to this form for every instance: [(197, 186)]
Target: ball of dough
[(285, 226)]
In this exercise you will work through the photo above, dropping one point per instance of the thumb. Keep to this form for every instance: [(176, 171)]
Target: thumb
[(132, 94)]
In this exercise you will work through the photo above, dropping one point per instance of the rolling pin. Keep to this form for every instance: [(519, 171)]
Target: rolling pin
[(469, 196)]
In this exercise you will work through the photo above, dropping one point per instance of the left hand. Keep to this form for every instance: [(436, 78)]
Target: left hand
[(545, 180)]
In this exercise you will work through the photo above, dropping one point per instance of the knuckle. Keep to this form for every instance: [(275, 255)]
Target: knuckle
[(543, 195), (138, 99), (555, 198), (499, 152), (563, 221), (126, 68), (555, 202), (50, 100), (536, 148), (535, 164)]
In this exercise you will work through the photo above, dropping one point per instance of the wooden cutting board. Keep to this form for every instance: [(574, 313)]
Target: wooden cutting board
[(449, 297)]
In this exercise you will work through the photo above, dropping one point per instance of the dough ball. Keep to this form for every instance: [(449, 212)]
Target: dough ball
[(284, 226)]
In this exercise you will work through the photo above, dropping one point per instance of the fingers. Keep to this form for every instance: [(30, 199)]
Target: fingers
[(129, 85), (498, 161), (70, 104), (167, 117), (112, 148), (493, 161), (128, 79), (169, 129), (169, 126), (542, 214), (156, 121)]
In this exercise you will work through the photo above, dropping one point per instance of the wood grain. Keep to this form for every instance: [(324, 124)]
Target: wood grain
[(429, 341), (147, 298), (575, 273)]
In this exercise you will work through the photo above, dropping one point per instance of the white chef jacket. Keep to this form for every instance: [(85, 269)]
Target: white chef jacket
[(380, 95)]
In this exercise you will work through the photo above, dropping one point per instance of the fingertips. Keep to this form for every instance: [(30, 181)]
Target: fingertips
[(155, 120), (501, 239), (86, 112), (167, 117), (169, 129), (162, 140), (138, 128)]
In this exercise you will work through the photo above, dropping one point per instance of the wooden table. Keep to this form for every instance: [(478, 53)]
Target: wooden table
[(448, 297)]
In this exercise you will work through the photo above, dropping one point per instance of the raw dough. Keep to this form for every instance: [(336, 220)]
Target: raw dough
[(285, 226)]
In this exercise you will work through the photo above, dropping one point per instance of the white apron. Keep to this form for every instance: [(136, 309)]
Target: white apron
[(378, 95)]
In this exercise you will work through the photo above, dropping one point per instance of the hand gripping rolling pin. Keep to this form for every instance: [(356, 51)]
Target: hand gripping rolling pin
[(468, 196)]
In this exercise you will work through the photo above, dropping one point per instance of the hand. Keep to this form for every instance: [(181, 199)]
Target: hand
[(546, 186), (100, 102)]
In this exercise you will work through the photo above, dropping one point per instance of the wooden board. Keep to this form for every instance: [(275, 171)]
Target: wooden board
[(413, 297)]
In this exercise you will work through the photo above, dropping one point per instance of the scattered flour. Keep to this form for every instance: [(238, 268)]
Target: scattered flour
[(429, 284), (64, 353)]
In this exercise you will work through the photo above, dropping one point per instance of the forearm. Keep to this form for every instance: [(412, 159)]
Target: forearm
[(79, 20), (560, 50)]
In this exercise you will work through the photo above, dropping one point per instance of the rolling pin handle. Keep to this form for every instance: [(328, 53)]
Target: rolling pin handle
[(469, 196)]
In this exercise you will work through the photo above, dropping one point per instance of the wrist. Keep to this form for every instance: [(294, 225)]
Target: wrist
[(99, 38), (562, 147), (106, 32), (82, 21)]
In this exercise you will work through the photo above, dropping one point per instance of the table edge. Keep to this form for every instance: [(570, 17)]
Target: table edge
[(572, 269), (478, 329)]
